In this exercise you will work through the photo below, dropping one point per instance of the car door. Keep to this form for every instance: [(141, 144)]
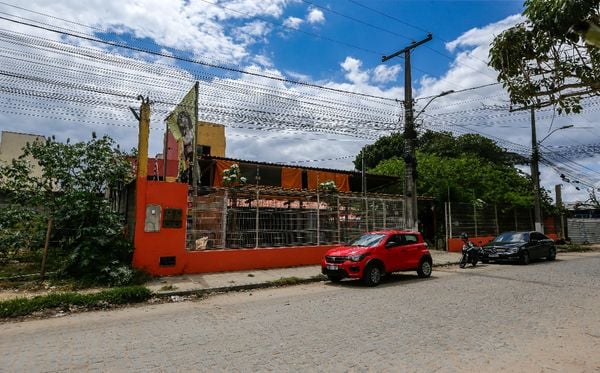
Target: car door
[(411, 251), (392, 254), (536, 245)]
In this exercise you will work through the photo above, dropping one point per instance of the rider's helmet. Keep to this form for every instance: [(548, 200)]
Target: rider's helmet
[(464, 236)]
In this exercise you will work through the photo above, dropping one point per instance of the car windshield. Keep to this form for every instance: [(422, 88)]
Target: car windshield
[(367, 240), (512, 237)]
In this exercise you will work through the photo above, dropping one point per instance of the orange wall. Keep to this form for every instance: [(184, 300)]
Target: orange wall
[(455, 244), (246, 259), (150, 246)]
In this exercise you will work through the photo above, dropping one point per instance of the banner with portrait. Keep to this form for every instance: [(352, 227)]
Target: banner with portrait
[(182, 123)]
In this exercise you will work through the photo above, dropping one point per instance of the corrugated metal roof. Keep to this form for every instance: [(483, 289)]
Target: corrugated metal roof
[(300, 167)]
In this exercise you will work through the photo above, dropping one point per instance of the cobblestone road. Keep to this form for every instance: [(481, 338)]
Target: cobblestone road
[(538, 318)]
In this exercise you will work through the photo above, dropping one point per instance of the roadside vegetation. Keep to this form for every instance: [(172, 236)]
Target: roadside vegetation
[(57, 213), (69, 301)]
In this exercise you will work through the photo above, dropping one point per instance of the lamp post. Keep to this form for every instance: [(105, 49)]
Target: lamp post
[(444, 93), (410, 163), (535, 173)]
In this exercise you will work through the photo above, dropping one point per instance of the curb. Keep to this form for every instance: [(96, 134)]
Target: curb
[(226, 289), (258, 285)]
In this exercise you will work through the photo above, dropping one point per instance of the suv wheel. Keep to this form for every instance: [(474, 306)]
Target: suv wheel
[(372, 275), (551, 253), (424, 269), (525, 258)]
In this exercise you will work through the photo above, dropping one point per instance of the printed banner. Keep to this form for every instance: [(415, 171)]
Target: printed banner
[(182, 124)]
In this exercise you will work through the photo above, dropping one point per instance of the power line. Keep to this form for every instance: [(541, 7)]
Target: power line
[(190, 60)]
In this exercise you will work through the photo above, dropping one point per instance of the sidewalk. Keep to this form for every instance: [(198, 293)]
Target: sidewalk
[(232, 281)]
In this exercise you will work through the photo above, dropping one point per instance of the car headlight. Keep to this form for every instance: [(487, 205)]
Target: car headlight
[(357, 257)]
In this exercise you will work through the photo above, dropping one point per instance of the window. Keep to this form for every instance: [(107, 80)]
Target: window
[(394, 240), (410, 239)]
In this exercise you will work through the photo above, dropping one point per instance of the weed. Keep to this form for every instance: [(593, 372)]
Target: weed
[(25, 306), (168, 288)]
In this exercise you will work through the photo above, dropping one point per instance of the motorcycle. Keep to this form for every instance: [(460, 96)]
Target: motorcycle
[(470, 254)]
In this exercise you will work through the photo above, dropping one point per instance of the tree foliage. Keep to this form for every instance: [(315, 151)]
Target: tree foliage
[(384, 148), (465, 178), (443, 144), (463, 168), (71, 191), (544, 61)]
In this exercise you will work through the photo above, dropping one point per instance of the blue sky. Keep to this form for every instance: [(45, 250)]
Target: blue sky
[(335, 44), (408, 21)]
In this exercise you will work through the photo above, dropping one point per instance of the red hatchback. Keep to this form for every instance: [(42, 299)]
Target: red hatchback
[(375, 254)]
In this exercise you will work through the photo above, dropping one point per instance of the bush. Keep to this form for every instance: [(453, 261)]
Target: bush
[(21, 232), (98, 253), (26, 306)]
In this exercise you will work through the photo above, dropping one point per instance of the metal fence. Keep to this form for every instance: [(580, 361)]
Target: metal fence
[(584, 231), (254, 217), (490, 219)]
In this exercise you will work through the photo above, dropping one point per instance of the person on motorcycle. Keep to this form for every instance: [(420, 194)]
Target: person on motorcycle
[(469, 250), (466, 243)]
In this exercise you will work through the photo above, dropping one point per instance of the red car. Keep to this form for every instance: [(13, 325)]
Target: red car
[(375, 254)]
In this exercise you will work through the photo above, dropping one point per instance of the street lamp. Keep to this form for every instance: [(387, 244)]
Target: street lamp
[(433, 98), (554, 130), (410, 162), (535, 173)]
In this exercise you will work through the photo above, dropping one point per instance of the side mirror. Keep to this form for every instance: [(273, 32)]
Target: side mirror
[(390, 244)]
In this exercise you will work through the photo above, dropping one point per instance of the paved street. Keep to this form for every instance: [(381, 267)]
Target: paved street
[(538, 318)]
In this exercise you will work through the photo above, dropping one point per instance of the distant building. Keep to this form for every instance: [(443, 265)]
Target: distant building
[(11, 147)]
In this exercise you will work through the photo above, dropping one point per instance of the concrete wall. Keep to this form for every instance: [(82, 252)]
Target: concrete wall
[(213, 135), (12, 144)]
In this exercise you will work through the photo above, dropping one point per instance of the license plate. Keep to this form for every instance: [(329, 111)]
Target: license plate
[(493, 255), (332, 267)]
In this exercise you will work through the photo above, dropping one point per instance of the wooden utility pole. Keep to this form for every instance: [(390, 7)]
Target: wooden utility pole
[(410, 135)]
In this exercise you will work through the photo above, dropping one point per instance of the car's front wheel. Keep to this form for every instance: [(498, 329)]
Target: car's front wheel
[(424, 269), (551, 253), (525, 258), (372, 275)]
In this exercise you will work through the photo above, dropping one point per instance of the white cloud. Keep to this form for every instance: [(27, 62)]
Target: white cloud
[(385, 74), (315, 16), (293, 22), (252, 32), (352, 66), (483, 36)]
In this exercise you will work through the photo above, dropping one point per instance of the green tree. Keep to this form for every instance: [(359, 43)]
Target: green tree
[(443, 144), (464, 178), (384, 148), (70, 195), (543, 61)]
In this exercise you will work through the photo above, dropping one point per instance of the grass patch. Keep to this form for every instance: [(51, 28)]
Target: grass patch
[(168, 288), (578, 248), (283, 281), (574, 248), (26, 306)]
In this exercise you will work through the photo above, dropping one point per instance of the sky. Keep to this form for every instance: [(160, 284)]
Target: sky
[(70, 68)]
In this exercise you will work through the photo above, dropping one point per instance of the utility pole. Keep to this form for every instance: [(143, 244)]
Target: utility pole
[(535, 175), (410, 135)]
